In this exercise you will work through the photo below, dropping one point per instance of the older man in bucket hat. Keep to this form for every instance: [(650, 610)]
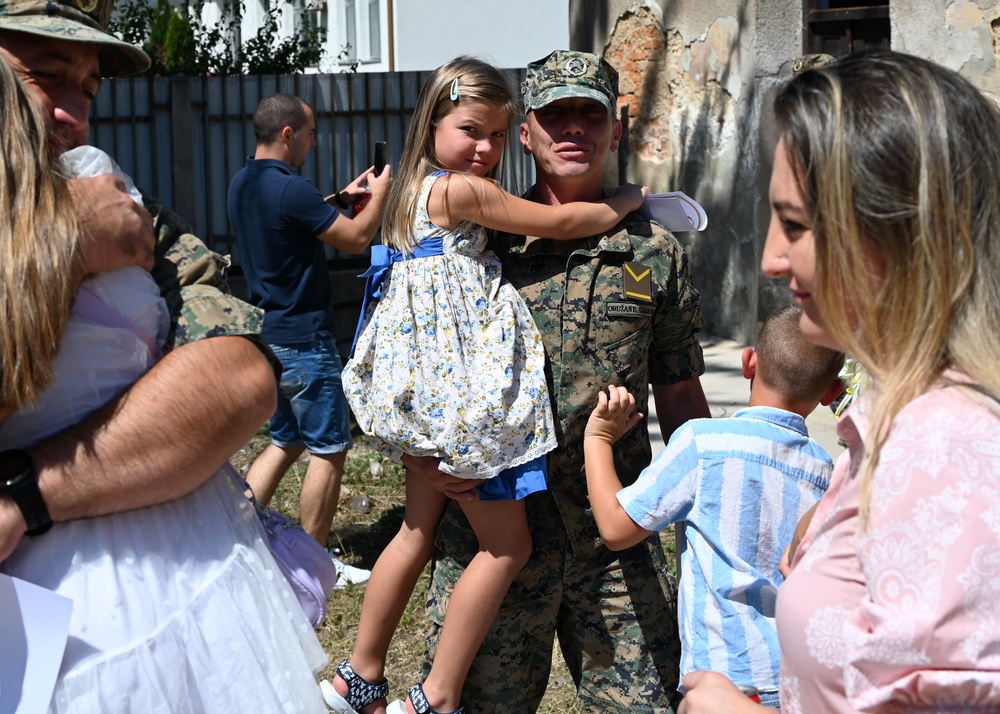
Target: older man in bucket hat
[(167, 434), (613, 308)]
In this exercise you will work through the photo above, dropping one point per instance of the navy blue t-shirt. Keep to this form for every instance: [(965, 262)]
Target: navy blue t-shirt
[(276, 216)]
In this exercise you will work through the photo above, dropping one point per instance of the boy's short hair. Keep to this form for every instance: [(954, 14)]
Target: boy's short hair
[(788, 363)]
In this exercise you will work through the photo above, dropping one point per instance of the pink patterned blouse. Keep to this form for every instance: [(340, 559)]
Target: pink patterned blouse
[(904, 616)]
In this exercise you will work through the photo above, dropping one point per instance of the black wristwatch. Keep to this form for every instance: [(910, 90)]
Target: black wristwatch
[(19, 480), (342, 204)]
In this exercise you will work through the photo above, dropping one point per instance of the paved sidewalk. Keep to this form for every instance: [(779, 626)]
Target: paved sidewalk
[(728, 391)]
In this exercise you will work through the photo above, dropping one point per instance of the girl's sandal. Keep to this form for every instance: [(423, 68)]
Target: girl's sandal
[(419, 702), (360, 692)]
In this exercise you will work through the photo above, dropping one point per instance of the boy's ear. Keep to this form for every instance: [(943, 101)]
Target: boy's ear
[(749, 363), (832, 393)]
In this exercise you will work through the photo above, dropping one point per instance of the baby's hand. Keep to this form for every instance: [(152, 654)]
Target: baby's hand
[(635, 193), (118, 231), (613, 416)]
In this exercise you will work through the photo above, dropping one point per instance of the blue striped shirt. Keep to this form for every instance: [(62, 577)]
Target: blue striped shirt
[(740, 486)]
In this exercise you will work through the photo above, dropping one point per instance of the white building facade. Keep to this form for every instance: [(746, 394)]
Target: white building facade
[(402, 35)]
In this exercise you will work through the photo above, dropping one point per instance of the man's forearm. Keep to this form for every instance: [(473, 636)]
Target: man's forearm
[(679, 403), (162, 438)]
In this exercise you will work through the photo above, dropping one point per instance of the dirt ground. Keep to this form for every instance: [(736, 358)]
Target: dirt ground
[(370, 513)]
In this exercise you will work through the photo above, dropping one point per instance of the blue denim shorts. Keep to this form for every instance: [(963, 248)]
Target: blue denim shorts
[(312, 409), (517, 482)]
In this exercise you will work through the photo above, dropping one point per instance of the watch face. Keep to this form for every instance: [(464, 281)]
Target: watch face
[(13, 464)]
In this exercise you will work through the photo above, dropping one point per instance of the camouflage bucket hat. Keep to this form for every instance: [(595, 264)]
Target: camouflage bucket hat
[(564, 74), (77, 21)]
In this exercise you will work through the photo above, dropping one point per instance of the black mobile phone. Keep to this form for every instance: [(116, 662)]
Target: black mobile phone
[(379, 157)]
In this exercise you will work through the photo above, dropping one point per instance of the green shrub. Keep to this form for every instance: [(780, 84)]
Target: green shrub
[(179, 45), (178, 42)]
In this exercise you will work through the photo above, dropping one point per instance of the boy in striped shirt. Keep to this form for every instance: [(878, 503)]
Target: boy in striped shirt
[(739, 486)]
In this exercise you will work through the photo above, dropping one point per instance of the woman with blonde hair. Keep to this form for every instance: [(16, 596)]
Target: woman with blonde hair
[(40, 258), (171, 603), (885, 220)]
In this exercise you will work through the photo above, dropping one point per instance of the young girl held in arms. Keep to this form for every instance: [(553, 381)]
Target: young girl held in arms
[(449, 365)]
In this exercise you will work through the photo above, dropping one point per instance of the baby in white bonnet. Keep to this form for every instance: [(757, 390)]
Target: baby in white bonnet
[(98, 359)]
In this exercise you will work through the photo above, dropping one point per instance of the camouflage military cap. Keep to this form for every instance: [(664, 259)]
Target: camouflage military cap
[(78, 21), (564, 74), (805, 62)]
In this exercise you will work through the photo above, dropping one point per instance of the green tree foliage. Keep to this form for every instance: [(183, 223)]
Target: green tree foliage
[(178, 42), (158, 20)]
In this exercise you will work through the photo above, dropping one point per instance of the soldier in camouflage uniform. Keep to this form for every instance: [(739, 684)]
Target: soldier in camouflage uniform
[(170, 431), (616, 308)]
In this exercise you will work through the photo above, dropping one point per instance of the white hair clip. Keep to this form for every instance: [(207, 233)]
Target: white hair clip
[(454, 90)]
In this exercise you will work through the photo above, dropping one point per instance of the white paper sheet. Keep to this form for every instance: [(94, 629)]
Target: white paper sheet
[(34, 626), (675, 211)]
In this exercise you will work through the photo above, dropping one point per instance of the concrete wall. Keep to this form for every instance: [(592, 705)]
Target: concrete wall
[(961, 35), (699, 76)]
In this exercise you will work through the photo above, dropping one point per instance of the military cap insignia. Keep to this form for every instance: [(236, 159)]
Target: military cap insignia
[(576, 67), (638, 282)]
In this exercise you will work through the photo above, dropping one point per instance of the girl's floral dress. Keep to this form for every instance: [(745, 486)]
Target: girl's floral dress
[(449, 363)]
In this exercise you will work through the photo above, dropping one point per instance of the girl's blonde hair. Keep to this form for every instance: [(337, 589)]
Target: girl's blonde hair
[(477, 81), (898, 160), (40, 260)]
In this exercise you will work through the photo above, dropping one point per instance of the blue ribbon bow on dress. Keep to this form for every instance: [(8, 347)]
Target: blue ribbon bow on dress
[(382, 259)]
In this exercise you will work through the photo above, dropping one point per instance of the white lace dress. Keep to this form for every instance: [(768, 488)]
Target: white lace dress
[(177, 608), (450, 363)]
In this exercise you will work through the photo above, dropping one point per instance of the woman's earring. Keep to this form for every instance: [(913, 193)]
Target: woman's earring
[(454, 90)]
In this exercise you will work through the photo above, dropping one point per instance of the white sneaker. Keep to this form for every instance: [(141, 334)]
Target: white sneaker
[(326, 688), (348, 574)]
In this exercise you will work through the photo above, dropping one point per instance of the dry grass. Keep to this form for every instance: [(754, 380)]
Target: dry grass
[(361, 533)]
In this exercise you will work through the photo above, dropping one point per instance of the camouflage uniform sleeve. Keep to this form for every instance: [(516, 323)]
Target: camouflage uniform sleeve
[(675, 355), (192, 280)]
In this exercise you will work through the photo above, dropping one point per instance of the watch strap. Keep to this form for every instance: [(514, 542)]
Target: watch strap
[(36, 513), (22, 487)]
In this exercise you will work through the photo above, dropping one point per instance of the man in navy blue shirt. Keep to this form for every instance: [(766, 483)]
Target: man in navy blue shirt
[(282, 222)]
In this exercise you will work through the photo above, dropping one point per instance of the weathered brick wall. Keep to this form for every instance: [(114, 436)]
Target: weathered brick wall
[(685, 90)]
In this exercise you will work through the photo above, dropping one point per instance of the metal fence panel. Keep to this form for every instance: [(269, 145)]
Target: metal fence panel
[(182, 139)]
